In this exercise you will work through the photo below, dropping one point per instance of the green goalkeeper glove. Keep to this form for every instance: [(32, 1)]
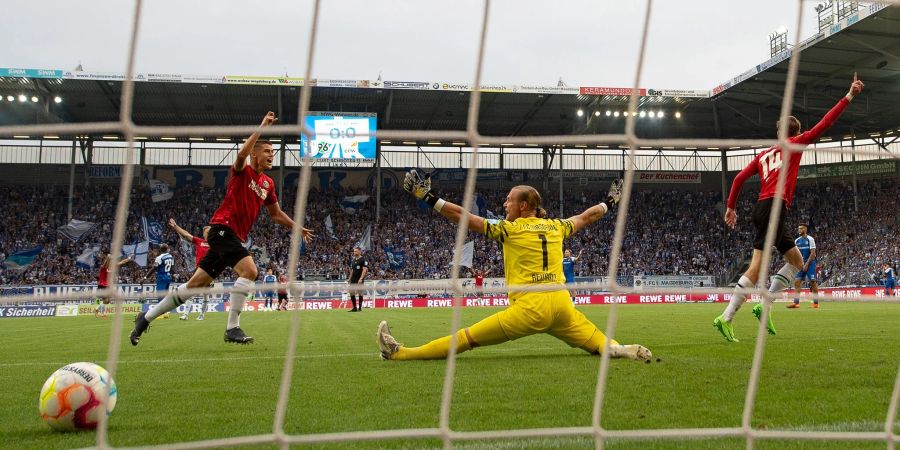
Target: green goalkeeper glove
[(420, 188)]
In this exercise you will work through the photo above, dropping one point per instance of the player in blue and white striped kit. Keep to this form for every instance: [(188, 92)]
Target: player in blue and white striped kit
[(162, 265), (568, 264), (890, 280), (269, 279), (807, 246)]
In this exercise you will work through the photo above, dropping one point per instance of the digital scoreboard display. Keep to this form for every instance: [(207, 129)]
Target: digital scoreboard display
[(339, 137)]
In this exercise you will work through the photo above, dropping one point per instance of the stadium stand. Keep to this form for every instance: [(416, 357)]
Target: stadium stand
[(853, 244)]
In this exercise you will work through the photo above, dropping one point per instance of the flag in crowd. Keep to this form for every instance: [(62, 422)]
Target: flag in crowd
[(88, 258), (76, 229), (160, 191), (138, 252), (396, 258), (352, 204), (153, 231), (21, 259), (365, 242)]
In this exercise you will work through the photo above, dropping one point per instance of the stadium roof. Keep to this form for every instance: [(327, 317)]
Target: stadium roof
[(742, 108)]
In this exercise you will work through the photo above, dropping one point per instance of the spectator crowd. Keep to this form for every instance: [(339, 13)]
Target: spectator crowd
[(668, 232)]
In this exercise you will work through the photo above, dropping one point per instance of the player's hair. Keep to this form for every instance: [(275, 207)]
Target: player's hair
[(260, 142), (163, 248), (793, 126), (803, 224), (531, 196)]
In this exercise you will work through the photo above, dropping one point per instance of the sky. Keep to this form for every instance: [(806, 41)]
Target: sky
[(692, 44)]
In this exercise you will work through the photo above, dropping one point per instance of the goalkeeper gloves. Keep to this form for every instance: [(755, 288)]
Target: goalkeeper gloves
[(420, 188), (614, 195)]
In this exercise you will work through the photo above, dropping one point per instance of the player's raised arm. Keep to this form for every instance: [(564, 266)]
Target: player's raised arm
[(241, 160), (833, 114), (596, 212), (421, 189), (181, 231), (122, 262)]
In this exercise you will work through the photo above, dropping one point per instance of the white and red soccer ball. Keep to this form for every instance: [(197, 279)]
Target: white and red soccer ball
[(73, 398)]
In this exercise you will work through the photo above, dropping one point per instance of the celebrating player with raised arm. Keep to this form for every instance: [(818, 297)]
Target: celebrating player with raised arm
[(532, 255), (201, 247), (248, 189), (768, 164)]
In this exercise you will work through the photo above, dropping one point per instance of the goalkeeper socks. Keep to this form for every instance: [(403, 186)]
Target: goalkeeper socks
[(782, 279), (168, 303), (237, 299), (737, 299)]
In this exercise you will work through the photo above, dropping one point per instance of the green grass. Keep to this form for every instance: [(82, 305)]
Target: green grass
[(831, 369)]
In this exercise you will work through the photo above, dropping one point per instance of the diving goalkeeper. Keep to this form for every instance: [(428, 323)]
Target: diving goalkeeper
[(532, 255)]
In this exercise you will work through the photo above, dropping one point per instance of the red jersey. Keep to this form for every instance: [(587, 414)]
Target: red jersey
[(101, 280), (200, 249), (247, 191), (768, 163), (282, 279), (479, 279)]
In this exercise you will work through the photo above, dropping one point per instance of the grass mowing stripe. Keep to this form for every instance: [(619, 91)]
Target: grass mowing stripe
[(828, 372)]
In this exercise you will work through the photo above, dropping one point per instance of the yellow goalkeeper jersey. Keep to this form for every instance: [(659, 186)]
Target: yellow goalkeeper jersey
[(532, 249)]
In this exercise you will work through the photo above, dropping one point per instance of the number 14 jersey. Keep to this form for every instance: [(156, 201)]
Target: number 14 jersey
[(769, 162)]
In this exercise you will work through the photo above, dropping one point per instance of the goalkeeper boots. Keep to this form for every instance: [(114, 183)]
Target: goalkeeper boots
[(726, 328), (757, 311), (386, 342), (632, 351), (141, 324)]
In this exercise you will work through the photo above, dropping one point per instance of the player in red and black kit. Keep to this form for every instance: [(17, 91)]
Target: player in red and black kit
[(282, 294), (479, 282), (248, 189), (201, 248), (768, 165), (103, 283)]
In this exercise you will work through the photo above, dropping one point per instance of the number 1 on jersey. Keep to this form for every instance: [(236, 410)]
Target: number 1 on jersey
[(544, 248)]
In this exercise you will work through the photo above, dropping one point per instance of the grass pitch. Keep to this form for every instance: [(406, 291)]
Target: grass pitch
[(831, 369)]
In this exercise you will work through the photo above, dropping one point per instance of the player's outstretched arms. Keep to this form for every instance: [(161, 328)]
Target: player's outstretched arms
[(420, 188), (181, 231), (241, 159), (596, 212)]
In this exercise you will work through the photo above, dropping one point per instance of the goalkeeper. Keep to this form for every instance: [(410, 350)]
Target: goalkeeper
[(532, 255)]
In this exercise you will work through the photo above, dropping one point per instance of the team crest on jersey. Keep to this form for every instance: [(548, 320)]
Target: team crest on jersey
[(261, 192)]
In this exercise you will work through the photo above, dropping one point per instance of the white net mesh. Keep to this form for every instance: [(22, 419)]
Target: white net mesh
[(444, 431)]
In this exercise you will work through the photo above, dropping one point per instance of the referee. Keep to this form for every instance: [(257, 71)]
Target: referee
[(359, 268)]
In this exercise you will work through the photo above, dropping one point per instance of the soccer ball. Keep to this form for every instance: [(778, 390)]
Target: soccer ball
[(73, 397)]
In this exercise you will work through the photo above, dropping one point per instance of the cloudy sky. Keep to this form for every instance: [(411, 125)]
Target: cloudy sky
[(692, 44)]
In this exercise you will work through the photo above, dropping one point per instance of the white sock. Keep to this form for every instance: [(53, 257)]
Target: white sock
[(168, 303), (737, 299), (783, 279), (237, 299), (203, 308)]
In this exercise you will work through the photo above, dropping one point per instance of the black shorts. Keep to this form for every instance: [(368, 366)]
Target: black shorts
[(282, 297), (761, 212), (225, 250)]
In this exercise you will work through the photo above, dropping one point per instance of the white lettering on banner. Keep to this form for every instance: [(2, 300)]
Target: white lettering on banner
[(499, 302), (847, 293), (615, 299), (582, 300), (651, 299), (399, 304), (318, 305), (440, 303), (478, 302)]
